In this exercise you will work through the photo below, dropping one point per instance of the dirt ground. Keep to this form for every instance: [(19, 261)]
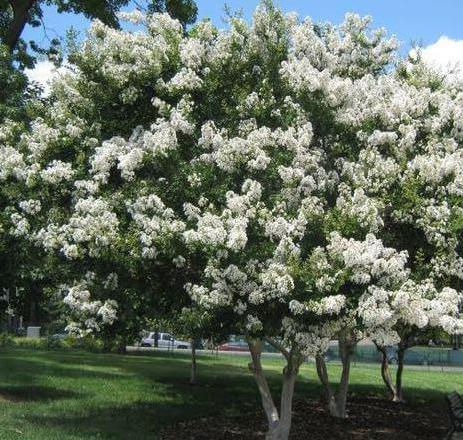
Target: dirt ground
[(369, 418)]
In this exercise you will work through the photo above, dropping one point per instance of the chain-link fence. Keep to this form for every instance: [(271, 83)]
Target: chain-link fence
[(433, 356)]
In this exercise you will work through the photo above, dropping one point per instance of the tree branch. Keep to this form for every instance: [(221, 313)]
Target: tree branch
[(21, 10), (278, 346)]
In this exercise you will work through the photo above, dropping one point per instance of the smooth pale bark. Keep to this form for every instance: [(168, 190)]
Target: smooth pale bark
[(279, 423), (194, 367), (337, 402), (324, 379), (347, 345)]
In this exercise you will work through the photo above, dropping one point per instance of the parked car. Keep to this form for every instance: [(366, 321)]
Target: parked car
[(234, 346), (165, 340), (61, 335)]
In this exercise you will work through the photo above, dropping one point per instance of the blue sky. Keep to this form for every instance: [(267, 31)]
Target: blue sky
[(410, 20), (434, 24)]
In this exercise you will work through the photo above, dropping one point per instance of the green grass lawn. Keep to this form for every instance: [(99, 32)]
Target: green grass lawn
[(66, 395)]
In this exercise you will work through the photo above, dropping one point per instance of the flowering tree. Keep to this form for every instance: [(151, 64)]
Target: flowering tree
[(258, 166), (401, 315), (72, 200), (25, 268), (425, 217), (196, 324), (335, 169), (338, 275)]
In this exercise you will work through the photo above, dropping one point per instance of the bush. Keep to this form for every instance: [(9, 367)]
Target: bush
[(30, 343), (54, 343), (88, 343), (6, 340)]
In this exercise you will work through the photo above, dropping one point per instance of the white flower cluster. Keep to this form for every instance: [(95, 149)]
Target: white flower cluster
[(92, 227), (123, 56), (329, 305), (20, 225), (310, 340), (372, 172), (30, 206), (360, 207), (412, 304), (11, 163), (56, 172), (229, 228), (369, 261), (88, 315), (155, 223), (129, 155)]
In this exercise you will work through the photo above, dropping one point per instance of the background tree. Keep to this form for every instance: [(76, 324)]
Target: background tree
[(185, 11), (199, 325), (334, 269), (405, 315), (15, 15)]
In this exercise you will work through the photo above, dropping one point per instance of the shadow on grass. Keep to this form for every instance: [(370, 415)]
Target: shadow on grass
[(144, 420), (225, 390), (34, 364), (136, 421), (17, 394)]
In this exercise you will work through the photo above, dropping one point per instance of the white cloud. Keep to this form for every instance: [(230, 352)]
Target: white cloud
[(445, 54), (43, 73)]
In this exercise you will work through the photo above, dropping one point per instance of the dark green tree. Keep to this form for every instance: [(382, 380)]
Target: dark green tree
[(185, 11)]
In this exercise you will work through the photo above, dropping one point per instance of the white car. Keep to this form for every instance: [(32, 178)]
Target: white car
[(165, 340)]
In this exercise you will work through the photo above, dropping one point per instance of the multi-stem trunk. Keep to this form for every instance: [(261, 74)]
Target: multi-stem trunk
[(194, 367), (337, 402), (394, 387), (386, 373), (279, 423)]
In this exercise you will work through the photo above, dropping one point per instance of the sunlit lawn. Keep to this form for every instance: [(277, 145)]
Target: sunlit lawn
[(58, 395)]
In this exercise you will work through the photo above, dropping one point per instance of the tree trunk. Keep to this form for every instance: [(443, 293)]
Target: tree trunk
[(255, 366), (34, 297), (394, 389), (21, 9), (106, 344), (337, 402), (386, 373), (122, 345), (346, 346), (279, 425), (33, 311), (324, 379), (193, 376), (398, 397), (286, 405)]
